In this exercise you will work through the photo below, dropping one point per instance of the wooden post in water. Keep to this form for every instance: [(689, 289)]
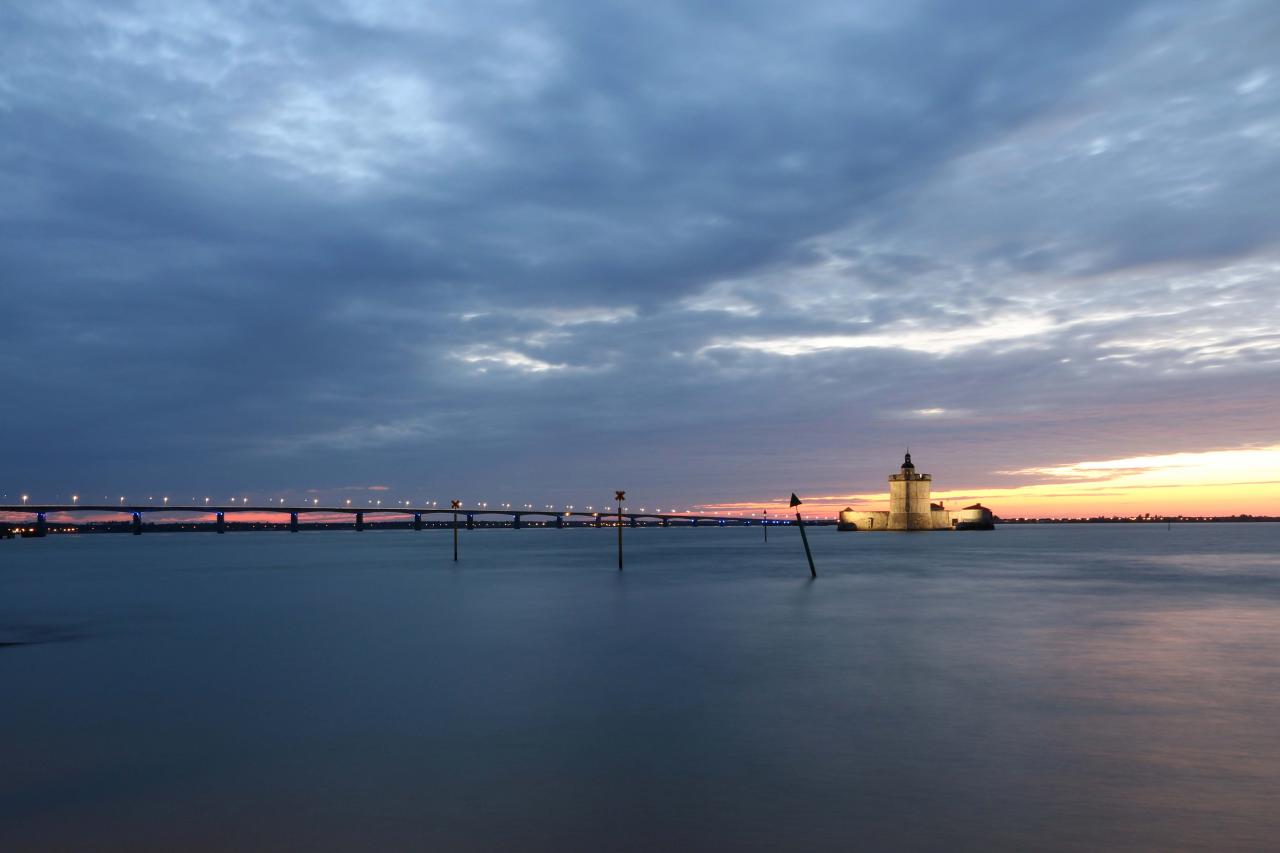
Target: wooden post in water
[(795, 502), (620, 497), (766, 526), (456, 505)]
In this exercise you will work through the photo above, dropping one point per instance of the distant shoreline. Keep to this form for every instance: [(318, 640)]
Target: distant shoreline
[(1154, 519)]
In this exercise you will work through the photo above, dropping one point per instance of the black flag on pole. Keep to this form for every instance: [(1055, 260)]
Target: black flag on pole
[(795, 501)]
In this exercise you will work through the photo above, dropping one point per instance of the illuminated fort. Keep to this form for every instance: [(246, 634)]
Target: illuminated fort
[(911, 508)]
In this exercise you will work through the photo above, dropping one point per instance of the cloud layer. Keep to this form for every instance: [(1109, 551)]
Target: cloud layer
[(519, 251)]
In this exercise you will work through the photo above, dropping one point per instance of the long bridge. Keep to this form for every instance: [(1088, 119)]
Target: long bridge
[(460, 516)]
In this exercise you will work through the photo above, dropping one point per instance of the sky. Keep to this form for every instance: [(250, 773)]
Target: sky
[(709, 253)]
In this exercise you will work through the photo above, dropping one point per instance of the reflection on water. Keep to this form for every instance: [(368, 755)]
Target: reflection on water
[(1068, 688)]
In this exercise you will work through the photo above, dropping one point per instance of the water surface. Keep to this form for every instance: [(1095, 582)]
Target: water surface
[(1047, 688)]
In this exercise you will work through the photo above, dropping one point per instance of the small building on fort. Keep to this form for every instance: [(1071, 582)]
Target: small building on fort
[(911, 508)]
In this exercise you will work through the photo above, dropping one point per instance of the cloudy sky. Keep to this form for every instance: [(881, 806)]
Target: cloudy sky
[(707, 252)]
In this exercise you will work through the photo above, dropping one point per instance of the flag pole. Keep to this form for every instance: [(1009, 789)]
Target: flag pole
[(456, 504), (795, 502), (620, 497)]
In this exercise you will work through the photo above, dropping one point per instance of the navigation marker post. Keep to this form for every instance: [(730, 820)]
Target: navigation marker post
[(765, 524), (795, 501), (619, 497), (456, 506)]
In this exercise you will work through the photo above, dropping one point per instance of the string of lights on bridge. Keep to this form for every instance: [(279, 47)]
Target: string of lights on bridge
[(407, 505)]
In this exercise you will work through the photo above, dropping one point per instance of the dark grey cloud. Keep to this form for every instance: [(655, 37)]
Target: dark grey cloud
[(499, 249)]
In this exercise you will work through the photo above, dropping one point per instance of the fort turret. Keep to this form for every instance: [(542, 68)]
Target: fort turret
[(909, 498)]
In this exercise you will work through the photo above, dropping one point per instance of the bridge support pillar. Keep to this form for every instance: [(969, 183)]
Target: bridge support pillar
[(137, 524), (293, 522), (471, 521), (42, 525), (695, 522), (359, 521), (222, 522), (666, 522), (559, 521), (515, 521), (417, 521), (633, 521)]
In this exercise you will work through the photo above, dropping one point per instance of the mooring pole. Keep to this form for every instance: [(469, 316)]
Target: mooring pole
[(795, 502), (765, 523), (456, 505), (620, 497)]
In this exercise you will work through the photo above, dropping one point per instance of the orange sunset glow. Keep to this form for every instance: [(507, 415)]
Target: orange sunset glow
[(1213, 483)]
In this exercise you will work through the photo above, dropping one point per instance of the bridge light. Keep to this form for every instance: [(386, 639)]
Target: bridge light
[(24, 498), (348, 501), (75, 499)]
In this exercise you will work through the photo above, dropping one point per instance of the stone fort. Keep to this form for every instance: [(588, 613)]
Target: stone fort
[(911, 508)]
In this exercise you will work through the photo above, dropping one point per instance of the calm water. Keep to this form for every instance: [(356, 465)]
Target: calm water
[(1033, 688)]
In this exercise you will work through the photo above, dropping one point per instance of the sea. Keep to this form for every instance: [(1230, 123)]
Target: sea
[(1040, 687)]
